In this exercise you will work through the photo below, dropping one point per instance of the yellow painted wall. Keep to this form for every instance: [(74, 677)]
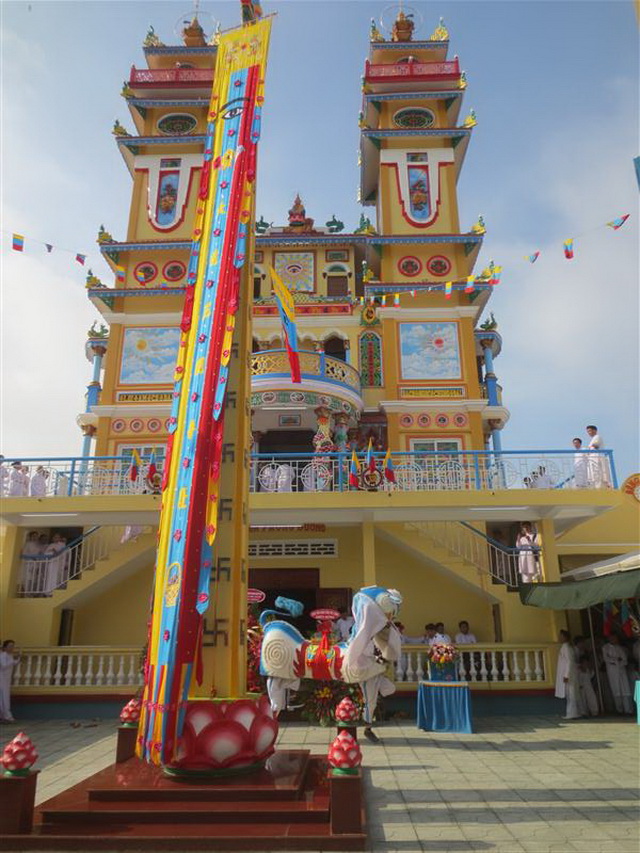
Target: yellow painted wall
[(119, 616), (614, 532)]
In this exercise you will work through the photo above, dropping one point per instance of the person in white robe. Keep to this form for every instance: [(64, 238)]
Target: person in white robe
[(567, 677), (38, 484), (615, 659), (598, 466), (54, 566), (464, 637), (587, 699), (16, 480), (284, 478), (9, 657), (31, 558), (580, 465), (4, 478), (543, 480), (527, 551), (343, 625)]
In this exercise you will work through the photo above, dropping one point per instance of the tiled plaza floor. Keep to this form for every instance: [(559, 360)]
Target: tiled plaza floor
[(533, 784)]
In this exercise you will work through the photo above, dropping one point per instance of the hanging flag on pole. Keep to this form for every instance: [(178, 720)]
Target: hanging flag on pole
[(136, 465), (286, 309), (18, 243), (389, 473), (354, 470), (152, 470), (370, 460), (619, 222), (568, 249)]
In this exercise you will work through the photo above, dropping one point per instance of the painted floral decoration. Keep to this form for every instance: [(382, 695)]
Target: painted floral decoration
[(226, 735), (19, 755), (347, 711), (130, 714), (344, 754)]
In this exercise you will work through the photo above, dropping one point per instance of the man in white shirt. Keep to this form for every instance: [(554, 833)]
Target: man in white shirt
[(597, 462), (615, 659), (441, 635), (343, 625), (429, 636), (464, 637), (580, 465)]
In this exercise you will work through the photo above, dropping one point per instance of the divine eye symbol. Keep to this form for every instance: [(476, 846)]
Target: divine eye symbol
[(234, 112), (229, 112)]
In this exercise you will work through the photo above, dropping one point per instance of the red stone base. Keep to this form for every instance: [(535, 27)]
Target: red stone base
[(17, 796), (290, 804)]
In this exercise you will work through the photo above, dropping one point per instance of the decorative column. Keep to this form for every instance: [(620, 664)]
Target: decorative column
[(322, 441), (491, 382), (98, 348), (340, 431), (88, 431)]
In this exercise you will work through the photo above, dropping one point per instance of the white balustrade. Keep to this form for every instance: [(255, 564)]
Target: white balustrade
[(63, 667), (495, 663)]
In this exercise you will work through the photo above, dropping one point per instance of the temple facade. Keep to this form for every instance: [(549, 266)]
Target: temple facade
[(386, 464)]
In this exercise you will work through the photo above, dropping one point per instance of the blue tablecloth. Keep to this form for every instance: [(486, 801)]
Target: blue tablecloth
[(444, 706), (636, 697)]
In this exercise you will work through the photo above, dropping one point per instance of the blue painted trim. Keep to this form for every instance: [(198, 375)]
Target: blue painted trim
[(183, 49), (157, 102), (455, 132), (142, 291), (421, 45), (378, 240), (405, 96), (150, 245)]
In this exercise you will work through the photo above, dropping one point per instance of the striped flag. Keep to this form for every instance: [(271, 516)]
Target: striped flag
[(396, 299), (370, 460), (18, 243), (470, 285), (619, 222), (136, 465), (532, 258), (496, 272), (81, 259), (286, 309), (448, 289), (354, 470), (568, 249), (120, 275), (152, 469), (389, 473)]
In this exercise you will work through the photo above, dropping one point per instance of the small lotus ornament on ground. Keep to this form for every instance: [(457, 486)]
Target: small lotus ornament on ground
[(19, 755), (344, 755), (347, 711), (130, 714)]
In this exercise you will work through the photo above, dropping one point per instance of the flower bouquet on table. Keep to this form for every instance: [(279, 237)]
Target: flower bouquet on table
[(443, 662)]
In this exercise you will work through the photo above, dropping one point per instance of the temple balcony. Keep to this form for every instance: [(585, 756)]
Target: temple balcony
[(306, 487), (409, 75), (167, 80), (330, 390)]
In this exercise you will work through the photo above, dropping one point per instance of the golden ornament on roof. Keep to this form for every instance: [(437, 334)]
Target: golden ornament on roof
[(441, 33), (471, 120), (119, 130), (463, 80), (374, 32), (403, 27), (127, 91), (479, 227), (151, 39), (103, 236)]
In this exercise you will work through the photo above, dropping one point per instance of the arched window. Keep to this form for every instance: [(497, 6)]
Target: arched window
[(334, 346), (370, 360)]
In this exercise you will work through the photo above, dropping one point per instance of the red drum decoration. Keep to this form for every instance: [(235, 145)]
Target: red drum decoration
[(347, 711), (222, 737), (19, 755), (325, 614), (344, 754), (130, 714), (255, 596)]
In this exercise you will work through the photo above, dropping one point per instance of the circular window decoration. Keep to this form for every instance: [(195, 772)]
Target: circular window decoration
[(136, 425), (414, 118), (174, 271), (296, 397), (268, 397), (438, 265), (410, 266), (406, 420), (442, 420), (424, 420), (118, 425), (154, 425), (177, 124), (145, 272), (460, 420)]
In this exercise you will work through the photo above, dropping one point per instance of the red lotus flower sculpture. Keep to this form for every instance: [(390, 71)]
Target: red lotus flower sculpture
[(130, 714), (347, 711), (344, 754), (19, 755), (221, 736)]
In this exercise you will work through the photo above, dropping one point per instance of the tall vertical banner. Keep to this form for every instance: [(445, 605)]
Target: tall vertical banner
[(198, 496)]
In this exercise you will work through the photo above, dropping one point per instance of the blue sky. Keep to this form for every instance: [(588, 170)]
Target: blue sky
[(555, 89)]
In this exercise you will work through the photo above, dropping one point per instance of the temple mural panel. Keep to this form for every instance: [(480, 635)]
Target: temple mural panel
[(149, 355), (429, 351)]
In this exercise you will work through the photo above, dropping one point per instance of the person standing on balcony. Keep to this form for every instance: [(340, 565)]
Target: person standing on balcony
[(429, 636), (4, 478), (567, 677), (38, 484), (527, 552), (464, 637), (441, 635), (9, 657), (580, 465), (598, 467), (615, 659), (18, 482), (55, 564), (31, 564)]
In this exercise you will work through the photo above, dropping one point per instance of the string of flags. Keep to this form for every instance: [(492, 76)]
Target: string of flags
[(18, 245), (568, 244)]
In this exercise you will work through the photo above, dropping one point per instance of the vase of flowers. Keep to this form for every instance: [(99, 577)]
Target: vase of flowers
[(443, 662)]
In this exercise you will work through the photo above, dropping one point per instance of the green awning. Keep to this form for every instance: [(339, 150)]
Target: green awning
[(576, 595)]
